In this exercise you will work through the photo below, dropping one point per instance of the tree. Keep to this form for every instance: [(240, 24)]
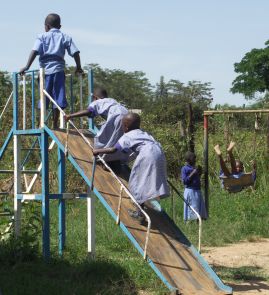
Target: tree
[(5, 87), (253, 73), (131, 88)]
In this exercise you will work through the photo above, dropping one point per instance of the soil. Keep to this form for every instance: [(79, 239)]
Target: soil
[(250, 255)]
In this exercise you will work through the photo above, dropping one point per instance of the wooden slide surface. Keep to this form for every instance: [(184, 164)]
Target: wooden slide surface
[(168, 249)]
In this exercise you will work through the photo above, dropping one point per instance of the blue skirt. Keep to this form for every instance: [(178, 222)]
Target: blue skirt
[(195, 199)]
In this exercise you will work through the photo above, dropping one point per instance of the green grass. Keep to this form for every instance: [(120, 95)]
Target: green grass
[(117, 269)]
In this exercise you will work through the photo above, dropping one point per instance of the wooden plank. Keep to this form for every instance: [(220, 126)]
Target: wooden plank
[(167, 248)]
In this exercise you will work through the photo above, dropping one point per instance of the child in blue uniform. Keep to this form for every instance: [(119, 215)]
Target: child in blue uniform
[(237, 167), (51, 47), (190, 175), (148, 179), (111, 130)]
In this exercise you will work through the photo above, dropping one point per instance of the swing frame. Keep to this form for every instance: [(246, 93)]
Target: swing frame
[(207, 114)]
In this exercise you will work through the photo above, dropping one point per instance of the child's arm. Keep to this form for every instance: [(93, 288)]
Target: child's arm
[(78, 64), (83, 113), (31, 58), (110, 150)]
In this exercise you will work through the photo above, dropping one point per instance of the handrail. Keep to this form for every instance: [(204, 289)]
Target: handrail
[(107, 167), (8, 100), (195, 212)]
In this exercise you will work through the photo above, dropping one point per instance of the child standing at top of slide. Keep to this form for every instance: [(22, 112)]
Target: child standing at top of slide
[(51, 46), (190, 175)]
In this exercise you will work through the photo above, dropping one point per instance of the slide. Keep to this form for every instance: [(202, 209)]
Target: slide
[(176, 262)]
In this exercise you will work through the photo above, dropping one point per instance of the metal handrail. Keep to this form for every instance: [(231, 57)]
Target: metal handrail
[(195, 212), (108, 168)]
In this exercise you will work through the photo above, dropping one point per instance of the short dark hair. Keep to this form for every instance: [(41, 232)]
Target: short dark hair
[(53, 20), (190, 156), (101, 92)]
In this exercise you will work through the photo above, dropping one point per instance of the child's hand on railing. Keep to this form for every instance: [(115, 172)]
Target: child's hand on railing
[(67, 118), (79, 71), (95, 152), (22, 71)]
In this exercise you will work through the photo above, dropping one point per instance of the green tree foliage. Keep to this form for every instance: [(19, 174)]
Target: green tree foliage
[(253, 73), (5, 87), (172, 99), (131, 88)]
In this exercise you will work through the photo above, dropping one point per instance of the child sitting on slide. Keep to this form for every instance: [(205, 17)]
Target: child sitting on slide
[(237, 167)]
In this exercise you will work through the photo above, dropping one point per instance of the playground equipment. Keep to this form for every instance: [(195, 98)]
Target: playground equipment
[(247, 179), (162, 244)]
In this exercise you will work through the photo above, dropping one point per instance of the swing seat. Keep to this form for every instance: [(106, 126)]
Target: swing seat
[(232, 184)]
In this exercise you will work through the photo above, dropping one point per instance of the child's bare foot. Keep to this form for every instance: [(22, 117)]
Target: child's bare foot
[(231, 146), (217, 150)]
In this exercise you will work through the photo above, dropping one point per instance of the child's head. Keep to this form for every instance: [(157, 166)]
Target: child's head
[(130, 122), (53, 20), (239, 166), (190, 158), (99, 93)]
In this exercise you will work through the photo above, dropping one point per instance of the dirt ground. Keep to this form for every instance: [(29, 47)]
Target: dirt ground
[(252, 255)]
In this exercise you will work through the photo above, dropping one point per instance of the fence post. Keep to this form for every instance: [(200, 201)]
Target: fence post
[(206, 163)]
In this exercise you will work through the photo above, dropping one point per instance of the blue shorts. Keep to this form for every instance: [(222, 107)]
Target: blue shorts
[(55, 86)]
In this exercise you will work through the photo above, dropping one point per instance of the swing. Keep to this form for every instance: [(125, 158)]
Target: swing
[(234, 184)]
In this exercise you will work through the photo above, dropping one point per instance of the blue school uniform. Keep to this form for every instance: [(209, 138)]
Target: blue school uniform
[(148, 178), (192, 194), (111, 130), (51, 47)]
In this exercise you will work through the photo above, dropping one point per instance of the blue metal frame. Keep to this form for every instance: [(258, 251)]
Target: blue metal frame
[(6, 143), (61, 204), (45, 195)]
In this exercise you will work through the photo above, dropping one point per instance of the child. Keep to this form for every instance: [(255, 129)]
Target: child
[(51, 46), (190, 175), (148, 180), (237, 167), (111, 131)]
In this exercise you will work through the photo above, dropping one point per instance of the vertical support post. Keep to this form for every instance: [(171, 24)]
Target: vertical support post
[(90, 96), (206, 162), (71, 94), (91, 224), (17, 157), (45, 195), (81, 98), (17, 184), (42, 98), (33, 100), (61, 204), (24, 101)]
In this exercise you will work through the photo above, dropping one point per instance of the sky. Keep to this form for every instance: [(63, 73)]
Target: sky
[(182, 40)]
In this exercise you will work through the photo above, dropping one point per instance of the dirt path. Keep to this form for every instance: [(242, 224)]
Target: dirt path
[(243, 266)]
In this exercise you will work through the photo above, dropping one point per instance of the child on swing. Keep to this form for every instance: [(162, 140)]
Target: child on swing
[(237, 167), (190, 175)]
